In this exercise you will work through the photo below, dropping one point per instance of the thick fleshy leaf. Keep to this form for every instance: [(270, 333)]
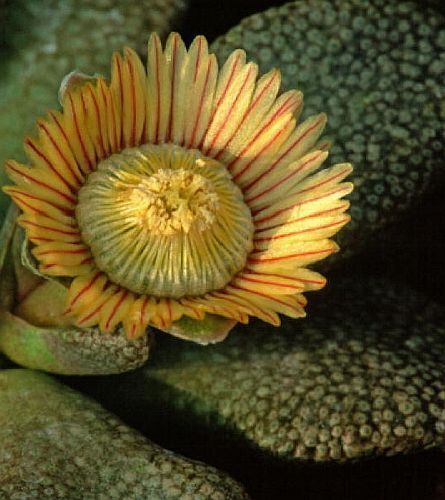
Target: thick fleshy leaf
[(69, 351)]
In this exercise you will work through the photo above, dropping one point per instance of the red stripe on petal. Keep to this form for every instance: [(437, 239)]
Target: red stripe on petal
[(18, 195), (198, 60), (284, 179), (29, 142), (201, 103), (133, 103), (293, 233), (79, 135), (79, 251), (172, 87), (158, 91), (298, 219), (225, 295), (92, 314), (99, 121), (121, 94), (302, 303), (291, 207), (43, 127), (246, 113), (85, 289), (48, 228), (263, 310), (229, 82), (300, 280), (265, 282), (113, 124), (290, 256), (102, 89), (35, 239), (260, 294), (286, 152), (69, 199), (115, 309), (284, 108), (62, 131), (229, 111), (253, 159), (329, 179)]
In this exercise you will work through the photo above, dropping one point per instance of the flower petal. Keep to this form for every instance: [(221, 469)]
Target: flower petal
[(85, 290), (259, 150), (289, 305), (41, 228), (60, 258), (115, 310), (138, 316), (321, 196), (264, 97), (273, 284), (228, 115), (198, 89), (39, 183), (305, 253), (50, 152), (284, 181), (222, 304), (304, 229), (75, 126), (308, 280), (134, 98), (158, 93), (92, 314), (113, 99), (96, 117), (33, 204), (166, 312), (175, 57), (302, 140)]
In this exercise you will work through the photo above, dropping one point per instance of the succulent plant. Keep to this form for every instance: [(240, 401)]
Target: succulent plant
[(185, 198)]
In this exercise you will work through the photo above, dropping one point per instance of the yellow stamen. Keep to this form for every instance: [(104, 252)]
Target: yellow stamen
[(174, 200)]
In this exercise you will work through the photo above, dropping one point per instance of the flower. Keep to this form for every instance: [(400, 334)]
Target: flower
[(182, 190)]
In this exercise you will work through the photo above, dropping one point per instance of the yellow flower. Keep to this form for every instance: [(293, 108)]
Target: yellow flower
[(180, 190)]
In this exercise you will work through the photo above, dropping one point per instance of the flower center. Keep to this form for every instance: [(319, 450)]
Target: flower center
[(165, 221), (174, 200)]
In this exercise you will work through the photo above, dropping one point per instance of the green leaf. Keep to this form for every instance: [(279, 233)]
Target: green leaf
[(210, 330)]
